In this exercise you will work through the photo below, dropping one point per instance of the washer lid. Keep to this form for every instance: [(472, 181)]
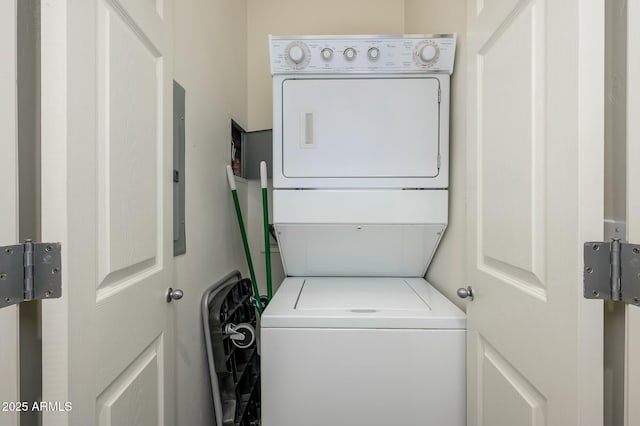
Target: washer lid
[(360, 302)]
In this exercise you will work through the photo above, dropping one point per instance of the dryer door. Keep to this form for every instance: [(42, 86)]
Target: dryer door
[(361, 127)]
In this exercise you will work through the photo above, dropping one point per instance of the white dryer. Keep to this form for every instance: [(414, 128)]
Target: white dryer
[(355, 335)]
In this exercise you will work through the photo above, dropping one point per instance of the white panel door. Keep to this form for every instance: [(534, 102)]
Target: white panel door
[(9, 349), (535, 125), (632, 368), (108, 343)]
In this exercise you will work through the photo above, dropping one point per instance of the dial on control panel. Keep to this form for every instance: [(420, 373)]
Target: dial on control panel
[(350, 53), (428, 53), (326, 53), (296, 54), (373, 53)]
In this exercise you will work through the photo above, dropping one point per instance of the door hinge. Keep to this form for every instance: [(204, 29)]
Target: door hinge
[(439, 95), (30, 271), (612, 271)]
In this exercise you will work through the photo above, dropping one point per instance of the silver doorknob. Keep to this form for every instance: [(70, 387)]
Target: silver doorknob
[(463, 293), (174, 294)]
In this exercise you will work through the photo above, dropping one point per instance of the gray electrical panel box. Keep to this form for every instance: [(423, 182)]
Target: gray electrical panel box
[(249, 149), (179, 237)]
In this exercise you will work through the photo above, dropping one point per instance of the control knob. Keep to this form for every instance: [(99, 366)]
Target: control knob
[(350, 53), (373, 53), (296, 54), (326, 53), (428, 53)]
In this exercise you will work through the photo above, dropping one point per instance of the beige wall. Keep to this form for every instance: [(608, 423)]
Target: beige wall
[(210, 62), (297, 17), (448, 269)]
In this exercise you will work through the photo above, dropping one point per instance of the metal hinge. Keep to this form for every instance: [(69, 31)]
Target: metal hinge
[(612, 271), (439, 94), (30, 271)]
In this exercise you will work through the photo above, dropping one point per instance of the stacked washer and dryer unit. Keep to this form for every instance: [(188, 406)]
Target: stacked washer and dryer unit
[(354, 334)]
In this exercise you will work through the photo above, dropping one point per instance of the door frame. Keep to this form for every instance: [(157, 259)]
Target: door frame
[(54, 124), (9, 316), (632, 316)]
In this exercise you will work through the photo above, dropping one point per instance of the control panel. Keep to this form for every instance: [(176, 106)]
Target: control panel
[(362, 54)]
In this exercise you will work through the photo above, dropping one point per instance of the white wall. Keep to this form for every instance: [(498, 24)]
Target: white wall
[(448, 269), (210, 54)]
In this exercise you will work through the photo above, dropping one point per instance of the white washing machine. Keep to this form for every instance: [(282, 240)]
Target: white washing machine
[(355, 335)]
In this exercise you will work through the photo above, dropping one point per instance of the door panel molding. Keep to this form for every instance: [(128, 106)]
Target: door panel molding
[(511, 211), (113, 404), (524, 400), (130, 138)]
